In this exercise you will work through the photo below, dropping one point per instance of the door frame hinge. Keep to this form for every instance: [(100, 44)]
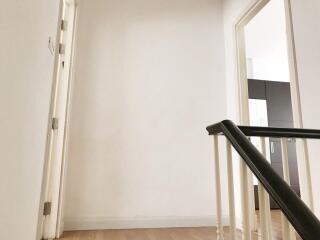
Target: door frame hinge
[(47, 208), (64, 25), (61, 48), (55, 123)]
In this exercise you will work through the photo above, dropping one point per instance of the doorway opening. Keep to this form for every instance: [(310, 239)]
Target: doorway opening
[(248, 68), (269, 88)]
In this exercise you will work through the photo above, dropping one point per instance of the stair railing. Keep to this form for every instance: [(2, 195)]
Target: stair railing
[(296, 215)]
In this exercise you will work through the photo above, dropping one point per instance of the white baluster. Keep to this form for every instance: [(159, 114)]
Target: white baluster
[(232, 213), (304, 173), (218, 188), (266, 200), (308, 175), (253, 215), (264, 234), (246, 234), (287, 230)]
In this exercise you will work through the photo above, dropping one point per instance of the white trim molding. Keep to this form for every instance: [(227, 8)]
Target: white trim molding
[(77, 224)]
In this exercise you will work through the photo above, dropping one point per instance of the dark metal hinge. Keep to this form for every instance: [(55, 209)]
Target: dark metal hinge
[(61, 48), (47, 209), (64, 25), (55, 123)]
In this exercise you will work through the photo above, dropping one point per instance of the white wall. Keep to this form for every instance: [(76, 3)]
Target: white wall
[(26, 76), (266, 44), (306, 22), (149, 78)]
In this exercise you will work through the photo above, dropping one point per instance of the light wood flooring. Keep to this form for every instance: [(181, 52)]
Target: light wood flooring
[(204, 233)]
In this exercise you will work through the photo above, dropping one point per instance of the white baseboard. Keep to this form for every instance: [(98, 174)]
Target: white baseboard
[(72, 224)]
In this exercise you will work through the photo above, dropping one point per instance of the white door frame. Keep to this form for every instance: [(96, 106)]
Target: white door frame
[(71, 32), (51, 226), (242, 21), (243, 94), (302, 146)]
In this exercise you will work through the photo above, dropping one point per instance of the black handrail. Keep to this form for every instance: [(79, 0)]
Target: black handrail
[(280, 132), (297, 212)]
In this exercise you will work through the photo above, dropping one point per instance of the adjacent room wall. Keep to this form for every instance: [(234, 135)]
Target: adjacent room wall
[(266, 44), (26, 76), (149, 79)]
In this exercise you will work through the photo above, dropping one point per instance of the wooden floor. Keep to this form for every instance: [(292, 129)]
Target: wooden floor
[(206, 233)]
